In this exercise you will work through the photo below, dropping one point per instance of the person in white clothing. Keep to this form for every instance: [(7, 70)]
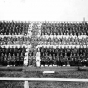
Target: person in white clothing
[(38, 58)]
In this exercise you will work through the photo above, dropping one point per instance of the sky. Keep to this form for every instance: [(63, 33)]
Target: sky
[(44, 10)]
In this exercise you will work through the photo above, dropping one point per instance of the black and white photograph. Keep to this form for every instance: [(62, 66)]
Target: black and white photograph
[(43, 43)]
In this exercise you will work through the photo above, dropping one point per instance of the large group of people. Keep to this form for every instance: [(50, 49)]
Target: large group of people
[(13, 28), (16, 33), (64, 28), (15, 40), (12, 56), (64, 41), (51, 41), (64, 56)]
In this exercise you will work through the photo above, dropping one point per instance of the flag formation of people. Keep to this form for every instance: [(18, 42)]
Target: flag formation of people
[(43, 43)]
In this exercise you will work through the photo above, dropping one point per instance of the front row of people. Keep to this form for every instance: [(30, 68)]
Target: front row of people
[(11, 60), (18, 60), (62, 62)]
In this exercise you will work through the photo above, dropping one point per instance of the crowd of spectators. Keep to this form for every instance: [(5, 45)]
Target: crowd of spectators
[(64, 28), (12, 56), (64, 56), (13, 28)]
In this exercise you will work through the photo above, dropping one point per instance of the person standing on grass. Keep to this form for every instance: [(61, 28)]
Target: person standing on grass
[(21, 59), (84, 59), (50, 59), (43, 59), (54, 59), (60, 58), (65, 59), (9, 59), (5, 60), (13, 60), (2, 59), (17, 60), (38, 58)]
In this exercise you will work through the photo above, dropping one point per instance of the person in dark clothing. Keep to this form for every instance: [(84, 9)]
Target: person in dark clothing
[(21, 59), (5, 60), (9, 59), (2, 59), (17, 60), (50, 60), (13, 60)]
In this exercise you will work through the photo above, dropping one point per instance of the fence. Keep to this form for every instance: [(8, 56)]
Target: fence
[(26, 84)]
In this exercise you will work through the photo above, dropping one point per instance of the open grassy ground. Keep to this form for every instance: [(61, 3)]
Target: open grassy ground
[(38, 74), (15, 84), (11, 84), (60, 72)]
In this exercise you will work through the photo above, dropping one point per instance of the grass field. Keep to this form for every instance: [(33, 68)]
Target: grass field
[(37, 73), (60, 72), (16, 84)]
